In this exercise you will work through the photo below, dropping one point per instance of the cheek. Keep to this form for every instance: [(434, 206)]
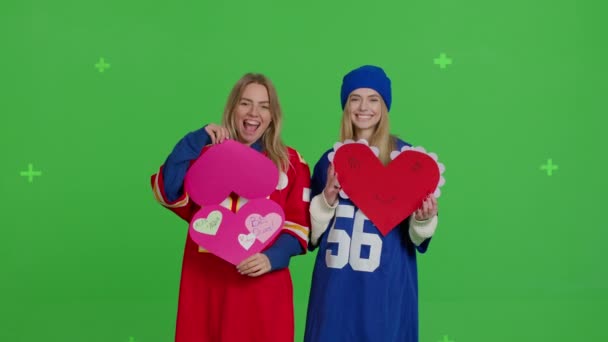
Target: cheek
[(267, 118), (239, 113), (377, 107), (351, 114)]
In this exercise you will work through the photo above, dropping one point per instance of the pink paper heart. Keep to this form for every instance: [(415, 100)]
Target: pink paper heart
[(230, 167), (225, 234), (263, 227)]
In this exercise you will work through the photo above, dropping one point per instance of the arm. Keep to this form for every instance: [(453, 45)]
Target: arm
[(422, 224), (168, 183), (293, 239), (420, 232), (321, 212)]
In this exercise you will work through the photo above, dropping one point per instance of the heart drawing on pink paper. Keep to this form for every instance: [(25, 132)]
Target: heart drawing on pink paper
[(236, 236), (220, 170), (263, 227)]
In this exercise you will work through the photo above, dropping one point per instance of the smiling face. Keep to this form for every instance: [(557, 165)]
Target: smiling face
[(365, 110), (252, 113)]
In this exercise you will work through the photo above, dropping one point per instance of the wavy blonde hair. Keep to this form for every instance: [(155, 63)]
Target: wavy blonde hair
[(271, 138), (381, 137)]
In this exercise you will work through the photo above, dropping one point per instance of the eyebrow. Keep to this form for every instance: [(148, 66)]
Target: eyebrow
[(357, 95), (250, 100)]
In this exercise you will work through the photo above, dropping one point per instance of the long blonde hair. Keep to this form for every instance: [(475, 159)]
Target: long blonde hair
[(271, 138), (381, 137)]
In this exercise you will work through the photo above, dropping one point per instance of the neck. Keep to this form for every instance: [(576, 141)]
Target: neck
[(364, 134)]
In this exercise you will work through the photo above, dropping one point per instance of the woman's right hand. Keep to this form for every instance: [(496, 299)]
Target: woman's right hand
[(332, 187), (217, 133)]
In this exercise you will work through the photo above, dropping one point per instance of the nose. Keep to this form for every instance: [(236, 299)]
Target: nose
[(363, 105), (252, 111)]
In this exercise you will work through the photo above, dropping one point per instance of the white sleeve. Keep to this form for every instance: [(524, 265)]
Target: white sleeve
[(422, 230), (320, 215)]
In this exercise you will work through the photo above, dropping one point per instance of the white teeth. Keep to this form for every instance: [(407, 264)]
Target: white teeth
[(251, 122)]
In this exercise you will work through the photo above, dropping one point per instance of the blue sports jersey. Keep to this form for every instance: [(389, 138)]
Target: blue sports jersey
[(364, 285)]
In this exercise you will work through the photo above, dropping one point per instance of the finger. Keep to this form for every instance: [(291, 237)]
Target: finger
[(248, 267), (209, 130), (330, 176), (213, 136), (426, 207), (260, 272), (253, 266), (220, 135), (246, 263), (253, 269), (254, 261), (225, 134), (435, 208)]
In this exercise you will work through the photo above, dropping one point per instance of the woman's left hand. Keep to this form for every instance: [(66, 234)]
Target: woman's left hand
[(255, 265), (428, 209)]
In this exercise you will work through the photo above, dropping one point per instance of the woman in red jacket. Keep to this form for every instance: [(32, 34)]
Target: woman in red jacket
[(254, 301)]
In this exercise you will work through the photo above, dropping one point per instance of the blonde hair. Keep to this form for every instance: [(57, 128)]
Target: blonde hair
[(271, 138), (381, 137)]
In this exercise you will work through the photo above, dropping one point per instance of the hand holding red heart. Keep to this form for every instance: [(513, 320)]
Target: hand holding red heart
[(332, 186), (427, 210)]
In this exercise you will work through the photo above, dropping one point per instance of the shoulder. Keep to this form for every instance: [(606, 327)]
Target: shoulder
[(401, 143), (295, 157), (324, 160), (297, 163)]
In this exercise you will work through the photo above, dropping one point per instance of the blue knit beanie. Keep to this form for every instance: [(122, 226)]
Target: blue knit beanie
[(367, 76)]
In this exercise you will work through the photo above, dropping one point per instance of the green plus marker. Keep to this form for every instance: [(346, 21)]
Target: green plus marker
[(446, 339), (549, 167), (102, 65), (30, 173), (443, 61)]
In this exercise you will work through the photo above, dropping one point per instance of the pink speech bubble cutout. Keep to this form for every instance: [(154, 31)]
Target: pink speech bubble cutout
[(235, 237), (230, 167)]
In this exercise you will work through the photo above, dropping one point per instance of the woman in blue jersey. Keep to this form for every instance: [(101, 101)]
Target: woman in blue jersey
[(365, 285)]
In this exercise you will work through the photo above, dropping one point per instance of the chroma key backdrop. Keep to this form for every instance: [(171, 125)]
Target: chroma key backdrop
[(509, 94)]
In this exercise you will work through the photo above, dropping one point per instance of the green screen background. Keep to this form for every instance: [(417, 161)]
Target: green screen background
[(86, 254)]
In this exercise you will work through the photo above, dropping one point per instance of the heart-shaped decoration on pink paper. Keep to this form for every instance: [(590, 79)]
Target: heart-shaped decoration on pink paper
[(230, 167), (236, 236), (263, 227)]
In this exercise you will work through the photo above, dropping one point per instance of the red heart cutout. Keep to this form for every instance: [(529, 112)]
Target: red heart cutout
[(230, 167), (235, 237), (387, 195)]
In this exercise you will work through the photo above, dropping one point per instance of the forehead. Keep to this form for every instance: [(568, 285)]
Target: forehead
[(256, 92), (364, 92)]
